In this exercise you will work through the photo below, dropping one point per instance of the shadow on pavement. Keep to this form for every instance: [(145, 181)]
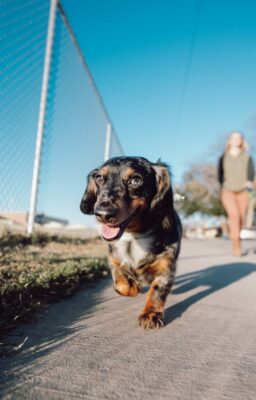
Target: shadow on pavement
[(53, 329), (214, 278)]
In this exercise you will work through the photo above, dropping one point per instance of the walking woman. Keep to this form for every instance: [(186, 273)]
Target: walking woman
[(236, 176)]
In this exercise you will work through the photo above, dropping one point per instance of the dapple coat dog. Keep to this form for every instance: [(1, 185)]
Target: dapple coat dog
[(132, 200)]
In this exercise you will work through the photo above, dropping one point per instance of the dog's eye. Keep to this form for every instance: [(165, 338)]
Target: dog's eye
[(136, 181), (100, 179)]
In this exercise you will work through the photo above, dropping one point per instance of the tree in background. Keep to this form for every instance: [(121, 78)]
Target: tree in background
[(201, 190)]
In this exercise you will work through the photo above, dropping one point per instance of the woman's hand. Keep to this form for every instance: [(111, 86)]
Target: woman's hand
[(249, 186)]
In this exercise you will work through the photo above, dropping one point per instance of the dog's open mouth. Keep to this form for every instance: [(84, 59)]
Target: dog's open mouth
[(110, 233)]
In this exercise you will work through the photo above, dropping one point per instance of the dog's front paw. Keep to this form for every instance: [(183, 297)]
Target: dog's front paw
[(151, 320)]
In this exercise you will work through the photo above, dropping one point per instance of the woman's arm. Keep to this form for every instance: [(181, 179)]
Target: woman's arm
[(250, 175), (220, 171), (250, 170)]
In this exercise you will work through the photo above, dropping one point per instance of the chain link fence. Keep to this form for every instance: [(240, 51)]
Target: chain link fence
[(77, 132)]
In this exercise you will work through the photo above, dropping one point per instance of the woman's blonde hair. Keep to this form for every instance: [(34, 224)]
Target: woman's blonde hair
[(244, 145)]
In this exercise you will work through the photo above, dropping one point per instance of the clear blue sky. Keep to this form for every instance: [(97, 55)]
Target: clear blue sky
[(138, 52)]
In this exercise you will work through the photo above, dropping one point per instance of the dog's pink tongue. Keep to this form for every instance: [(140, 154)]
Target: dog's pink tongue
[(109, 232)]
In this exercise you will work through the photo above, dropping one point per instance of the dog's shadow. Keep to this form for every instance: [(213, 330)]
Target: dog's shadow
[(210, 279)]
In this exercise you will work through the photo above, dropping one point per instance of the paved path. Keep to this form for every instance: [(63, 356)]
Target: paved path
[(90, 347)]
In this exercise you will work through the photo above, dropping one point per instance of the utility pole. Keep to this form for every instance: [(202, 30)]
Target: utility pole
[(107, 141)]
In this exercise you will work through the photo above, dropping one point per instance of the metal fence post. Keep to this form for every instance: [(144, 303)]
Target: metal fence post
[(41, 117), (107, 141)]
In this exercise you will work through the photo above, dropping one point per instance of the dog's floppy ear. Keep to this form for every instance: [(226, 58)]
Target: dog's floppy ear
[(163, 186), (90, 196)]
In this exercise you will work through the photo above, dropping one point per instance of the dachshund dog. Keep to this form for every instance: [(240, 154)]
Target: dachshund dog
[(132, 200)]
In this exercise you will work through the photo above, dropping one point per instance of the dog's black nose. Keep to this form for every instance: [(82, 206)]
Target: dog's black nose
[(105, 214)]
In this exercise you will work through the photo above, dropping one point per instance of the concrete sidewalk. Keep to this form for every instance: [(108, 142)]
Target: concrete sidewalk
[(90, 347)]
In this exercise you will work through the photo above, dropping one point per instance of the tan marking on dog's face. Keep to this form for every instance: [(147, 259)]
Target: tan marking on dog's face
[(128, 173), (139, 202), (136, 223), (104, 171)]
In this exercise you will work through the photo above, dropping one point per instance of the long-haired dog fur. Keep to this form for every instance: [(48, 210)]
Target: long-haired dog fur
[(132, 200)]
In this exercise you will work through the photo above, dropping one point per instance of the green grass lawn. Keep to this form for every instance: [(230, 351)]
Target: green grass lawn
[(39, 269)]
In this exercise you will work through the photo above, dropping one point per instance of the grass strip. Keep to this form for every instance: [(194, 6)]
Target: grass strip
[(10, 241), (24, 289)]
